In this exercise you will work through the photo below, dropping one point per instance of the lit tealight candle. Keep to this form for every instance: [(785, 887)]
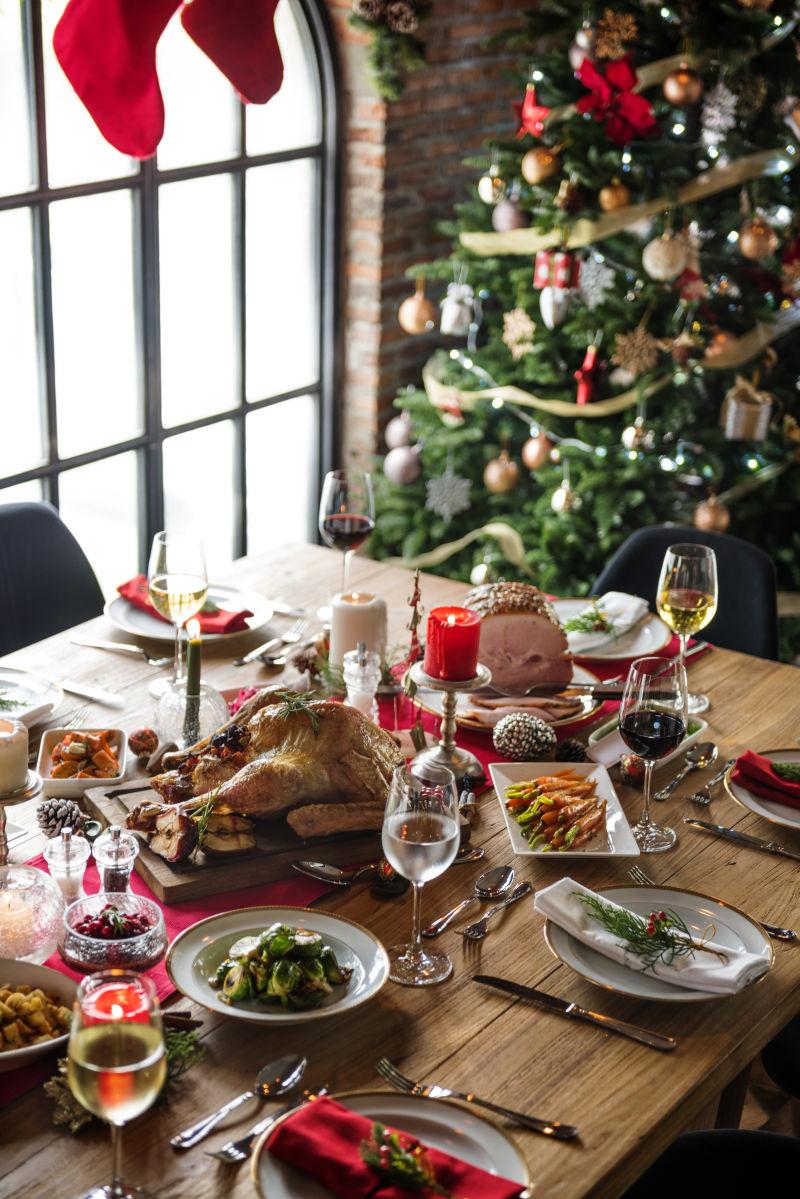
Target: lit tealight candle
[(357, 616), (16, 924), (13, 756), (114, 1002), (451, 644)]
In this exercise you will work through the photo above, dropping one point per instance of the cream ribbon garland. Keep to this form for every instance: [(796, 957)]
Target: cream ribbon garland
[(737, 353), (506, 537)]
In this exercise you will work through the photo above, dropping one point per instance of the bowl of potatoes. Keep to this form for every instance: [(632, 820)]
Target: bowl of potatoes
[(35, 1012)]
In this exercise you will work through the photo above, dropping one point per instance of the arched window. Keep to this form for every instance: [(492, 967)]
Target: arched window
[(166, 327)]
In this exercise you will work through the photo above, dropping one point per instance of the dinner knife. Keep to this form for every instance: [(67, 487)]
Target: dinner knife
[(284, 609), (258, 651), (732, 834), (98, 695), (550, 1003)]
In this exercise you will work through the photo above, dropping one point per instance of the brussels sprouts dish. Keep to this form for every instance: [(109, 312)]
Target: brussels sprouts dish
[(292, 967)]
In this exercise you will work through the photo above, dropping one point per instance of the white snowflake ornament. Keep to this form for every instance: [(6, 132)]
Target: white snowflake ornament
[(447, 495), (718, 115), (595, 279)]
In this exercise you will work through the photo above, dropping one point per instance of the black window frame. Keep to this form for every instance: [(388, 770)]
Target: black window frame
[(144, 188)]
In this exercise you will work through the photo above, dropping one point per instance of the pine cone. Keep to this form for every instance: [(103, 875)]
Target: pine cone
[(370, 10), (56, 814), (401, 17), (570, 750)]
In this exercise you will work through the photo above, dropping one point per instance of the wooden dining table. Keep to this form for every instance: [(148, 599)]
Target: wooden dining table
[(628, 1101)]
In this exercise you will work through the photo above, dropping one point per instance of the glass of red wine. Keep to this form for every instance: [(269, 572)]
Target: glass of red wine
[(346, 513), (652, 723)]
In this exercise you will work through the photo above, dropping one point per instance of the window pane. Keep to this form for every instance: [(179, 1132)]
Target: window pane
[(198, 489), (198, 336), (21, 444), (100, 505), (293, 117), (97, 382), (16, 171), (271, 520), (22, 493), (77, 152), (282, 278), (202, 112)]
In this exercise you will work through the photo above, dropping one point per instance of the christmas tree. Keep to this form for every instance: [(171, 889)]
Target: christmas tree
[(619, 315)]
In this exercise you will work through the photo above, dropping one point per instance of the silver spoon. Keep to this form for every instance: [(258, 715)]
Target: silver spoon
[(345, 876), (273, 1080), (697, 758), (489, 885)]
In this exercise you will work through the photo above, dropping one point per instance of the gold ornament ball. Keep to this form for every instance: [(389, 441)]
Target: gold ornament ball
[(536, 451), (501, 474), (539, 164), (614, 195), (491, 188), (719, 343), (664, 257), (683, 86), (416, 314), (564, 499), (711, 516), (757, 239)]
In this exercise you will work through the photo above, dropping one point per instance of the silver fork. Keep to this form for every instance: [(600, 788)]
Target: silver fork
[(702, 796), (772, 930), (274, 645), (478, 930), (548, 1128), (234, 1152)]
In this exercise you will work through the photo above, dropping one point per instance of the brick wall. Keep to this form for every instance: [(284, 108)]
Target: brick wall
[(403, 173)]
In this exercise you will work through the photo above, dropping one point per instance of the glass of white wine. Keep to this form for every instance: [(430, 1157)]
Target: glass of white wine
[(116, 1062), (178, 585), (687, 598), (420, 840)]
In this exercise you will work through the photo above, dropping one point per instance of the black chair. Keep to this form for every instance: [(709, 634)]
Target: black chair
[(747, 618), (723, 1162), (46, 582), (781, 1060)]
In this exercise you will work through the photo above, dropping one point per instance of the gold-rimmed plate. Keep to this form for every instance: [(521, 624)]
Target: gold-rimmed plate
[(775, 813), (733, 929), (648, 636), (432, 701), (435, 1122)]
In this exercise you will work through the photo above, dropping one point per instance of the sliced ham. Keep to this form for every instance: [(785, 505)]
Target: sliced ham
[(522, 642), (546, 711)]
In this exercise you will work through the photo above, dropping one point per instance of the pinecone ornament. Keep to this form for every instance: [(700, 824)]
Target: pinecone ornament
[(570, 750), (523, 736), (56, 814)]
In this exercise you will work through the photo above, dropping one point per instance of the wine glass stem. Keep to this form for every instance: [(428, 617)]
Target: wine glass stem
[(416, 931), (177, 673), (345, 570), (117, 1188), (683, 638), (648, 778)]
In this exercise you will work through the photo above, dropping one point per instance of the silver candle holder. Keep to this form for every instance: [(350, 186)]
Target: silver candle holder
[(446, 752), (31, 788)]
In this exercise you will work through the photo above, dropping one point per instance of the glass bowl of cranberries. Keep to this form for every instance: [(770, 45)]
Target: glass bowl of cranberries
[(113, 929)]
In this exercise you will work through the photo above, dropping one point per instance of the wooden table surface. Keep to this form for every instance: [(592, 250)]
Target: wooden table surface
[(628, 1101)]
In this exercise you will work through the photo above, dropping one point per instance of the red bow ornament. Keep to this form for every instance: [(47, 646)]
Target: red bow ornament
[(530, 114), (588, 374), (624, 113)]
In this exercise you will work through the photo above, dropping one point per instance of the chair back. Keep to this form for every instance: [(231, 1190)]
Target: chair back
[(46, 582), (747, 616)]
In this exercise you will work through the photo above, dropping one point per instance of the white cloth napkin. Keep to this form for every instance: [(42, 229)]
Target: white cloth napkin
[(623, 610), (698, 971)]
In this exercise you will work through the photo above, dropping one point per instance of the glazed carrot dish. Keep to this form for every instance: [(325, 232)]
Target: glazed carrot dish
[(83, 755), (558, 811)]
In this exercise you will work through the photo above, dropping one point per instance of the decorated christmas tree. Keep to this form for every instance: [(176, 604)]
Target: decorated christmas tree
[(619, 319)]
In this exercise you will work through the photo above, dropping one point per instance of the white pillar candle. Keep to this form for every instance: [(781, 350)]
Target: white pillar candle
[(13, 756), (357, 616)]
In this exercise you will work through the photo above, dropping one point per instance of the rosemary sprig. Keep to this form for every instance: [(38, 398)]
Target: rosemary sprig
[(202, 817), (7, 704), (787, 770), (662, 937), (298, 701), (592, 620)]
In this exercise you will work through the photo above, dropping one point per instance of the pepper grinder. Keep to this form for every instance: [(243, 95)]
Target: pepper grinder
[(66, 858), (115, 853), (362, 675)]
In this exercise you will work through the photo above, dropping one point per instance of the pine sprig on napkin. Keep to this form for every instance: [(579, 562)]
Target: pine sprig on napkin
[(662, 937), (399, 1161), (592, 620)]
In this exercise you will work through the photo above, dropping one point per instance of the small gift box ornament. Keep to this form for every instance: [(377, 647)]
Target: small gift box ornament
[(555, 268), (746, 412)]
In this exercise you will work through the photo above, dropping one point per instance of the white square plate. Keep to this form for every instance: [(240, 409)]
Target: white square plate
[(72, 787), (618, 840)]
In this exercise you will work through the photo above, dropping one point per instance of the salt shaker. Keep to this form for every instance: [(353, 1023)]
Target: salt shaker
[(115, 853), (362, 676), (66, 858)]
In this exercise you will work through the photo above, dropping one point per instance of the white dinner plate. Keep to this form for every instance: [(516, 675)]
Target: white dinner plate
[(47, 979), (616, 841), (647, 637), (432, 701), (196, 953), (34, 697), (733, 929), (130, 619), (435, 1122), (776, 813)]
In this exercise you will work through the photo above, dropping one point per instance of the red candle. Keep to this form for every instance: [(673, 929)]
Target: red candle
[(451, 645), (114, 1002)]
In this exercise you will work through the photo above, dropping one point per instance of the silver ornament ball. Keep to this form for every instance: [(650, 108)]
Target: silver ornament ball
[(402, 465), (524, 737)]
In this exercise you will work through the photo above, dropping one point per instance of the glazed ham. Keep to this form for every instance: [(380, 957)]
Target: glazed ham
[(522, 642)]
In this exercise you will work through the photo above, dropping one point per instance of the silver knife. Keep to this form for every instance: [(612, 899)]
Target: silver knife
[(121, 647), (732, 834), (284, 609), (258, 651), (550, 1003), (98, 694)]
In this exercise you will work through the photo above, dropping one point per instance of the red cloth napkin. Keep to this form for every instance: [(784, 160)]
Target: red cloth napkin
[(135, 592), (295, 892), (755, 772), (323, 1138)]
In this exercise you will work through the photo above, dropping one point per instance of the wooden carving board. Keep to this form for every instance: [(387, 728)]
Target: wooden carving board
[(277, 847)]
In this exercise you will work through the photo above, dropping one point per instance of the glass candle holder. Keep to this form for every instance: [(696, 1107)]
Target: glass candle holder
[(115, 853), (185, 718), (31, 911), (66, 858)]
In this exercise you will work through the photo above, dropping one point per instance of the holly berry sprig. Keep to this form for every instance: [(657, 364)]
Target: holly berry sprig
[(400, 1161)]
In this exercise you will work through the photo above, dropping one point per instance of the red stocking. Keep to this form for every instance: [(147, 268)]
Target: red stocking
[(239, 36), (108, 51)]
